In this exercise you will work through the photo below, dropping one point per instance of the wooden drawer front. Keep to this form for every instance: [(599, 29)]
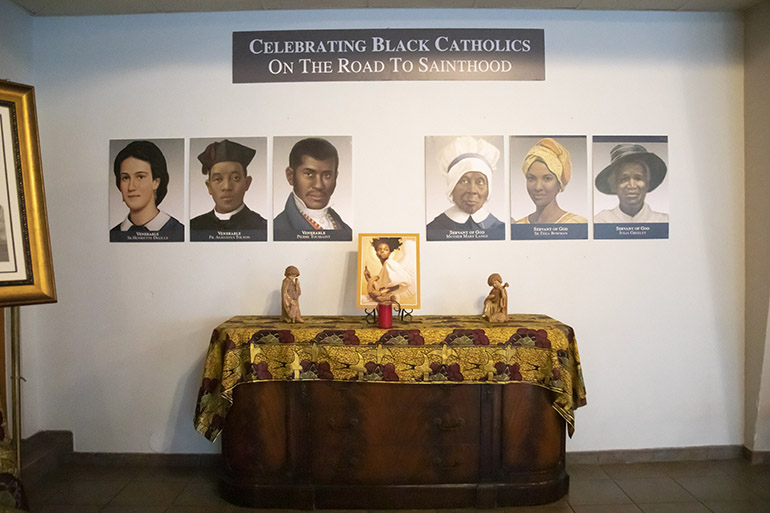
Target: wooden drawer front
[(390, 414), (453, 414), (373, 464), (373, 433), (532, 436), (351, 445), (255, 440), (336, 417)]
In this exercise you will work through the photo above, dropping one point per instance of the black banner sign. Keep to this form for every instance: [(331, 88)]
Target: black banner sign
[(388, 54)]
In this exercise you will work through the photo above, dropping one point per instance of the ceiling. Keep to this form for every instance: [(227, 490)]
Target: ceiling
[(102, 7)]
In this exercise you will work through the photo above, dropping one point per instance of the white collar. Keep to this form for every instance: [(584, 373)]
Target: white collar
[(154, 224), (644, 213), (460, 216), (310, 212), (228, 215)]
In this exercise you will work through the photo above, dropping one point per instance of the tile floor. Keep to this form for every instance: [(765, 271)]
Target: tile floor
[(716, 486)]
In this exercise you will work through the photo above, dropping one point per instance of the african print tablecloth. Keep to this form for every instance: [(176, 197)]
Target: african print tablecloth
[(12, 496), (533, 349)]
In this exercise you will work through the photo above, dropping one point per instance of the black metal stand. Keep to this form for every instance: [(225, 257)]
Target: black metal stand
[(404, 316)]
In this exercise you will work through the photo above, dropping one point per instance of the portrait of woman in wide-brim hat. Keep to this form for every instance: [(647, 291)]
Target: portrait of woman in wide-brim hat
[(633, 173)]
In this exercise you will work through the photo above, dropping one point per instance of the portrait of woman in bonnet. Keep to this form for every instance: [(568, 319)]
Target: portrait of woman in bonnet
[(547, 169), (467, 164), (141, 176)]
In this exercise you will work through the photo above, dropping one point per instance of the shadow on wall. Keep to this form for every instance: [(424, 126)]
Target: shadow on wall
[(274, 303), (348, 299), (180, 435)]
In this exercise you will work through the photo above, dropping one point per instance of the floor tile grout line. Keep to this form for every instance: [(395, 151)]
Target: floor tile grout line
[(136, 478), (688, 492), (737, 482), (741, 476), (734, 479)]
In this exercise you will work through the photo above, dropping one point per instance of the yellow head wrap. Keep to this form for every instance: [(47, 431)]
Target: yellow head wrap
[(554, 156)]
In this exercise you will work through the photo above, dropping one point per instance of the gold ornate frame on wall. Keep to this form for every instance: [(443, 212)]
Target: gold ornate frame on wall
[(26, 267)]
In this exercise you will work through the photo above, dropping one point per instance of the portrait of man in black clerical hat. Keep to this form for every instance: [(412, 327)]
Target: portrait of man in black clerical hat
[(225, 164)]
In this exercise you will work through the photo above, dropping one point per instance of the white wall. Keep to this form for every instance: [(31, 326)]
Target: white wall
[(660, 323), (15, 43)]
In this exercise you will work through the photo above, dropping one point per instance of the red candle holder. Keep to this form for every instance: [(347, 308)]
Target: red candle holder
[(384, 315)]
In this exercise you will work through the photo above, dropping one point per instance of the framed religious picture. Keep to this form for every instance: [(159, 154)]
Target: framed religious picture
[(388, 269), (26, 268)]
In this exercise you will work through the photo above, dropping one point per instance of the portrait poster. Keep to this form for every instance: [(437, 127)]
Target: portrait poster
[(464, 188), (549, 177), (228, 189), (630, 184), (388, 269), (312, 201), (146, 208), (26, 266)]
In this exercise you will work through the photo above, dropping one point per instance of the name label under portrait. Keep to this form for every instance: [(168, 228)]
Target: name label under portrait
[(332, 235), (549, 231), (478, 234), (228, 236), (631, 231)]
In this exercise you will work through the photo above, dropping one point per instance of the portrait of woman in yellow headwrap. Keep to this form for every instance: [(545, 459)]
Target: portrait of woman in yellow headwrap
[(547, 170)]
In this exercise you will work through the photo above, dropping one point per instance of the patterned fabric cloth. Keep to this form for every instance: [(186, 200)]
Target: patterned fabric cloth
[(12, 496), (533, 349)]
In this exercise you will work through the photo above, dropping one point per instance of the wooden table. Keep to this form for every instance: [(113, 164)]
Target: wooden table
[(336, 414)]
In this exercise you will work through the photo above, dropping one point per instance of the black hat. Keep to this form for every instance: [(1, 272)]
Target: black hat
[(225, 151), (625, 152)]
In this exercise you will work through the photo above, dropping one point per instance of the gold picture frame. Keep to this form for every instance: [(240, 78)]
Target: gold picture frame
[(26, 267), (399, 279)]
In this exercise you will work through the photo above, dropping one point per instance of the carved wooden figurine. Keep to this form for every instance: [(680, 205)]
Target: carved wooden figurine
[(496, 302), (290, 292)]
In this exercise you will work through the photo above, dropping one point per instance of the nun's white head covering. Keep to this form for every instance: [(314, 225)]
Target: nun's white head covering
[(466, 154)]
